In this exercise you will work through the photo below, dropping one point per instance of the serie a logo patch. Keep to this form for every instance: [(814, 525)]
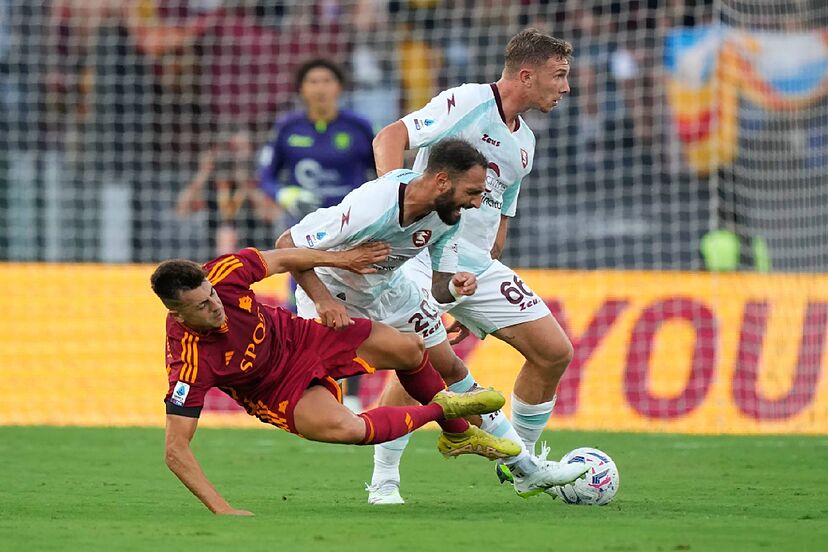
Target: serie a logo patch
[(180, 392)]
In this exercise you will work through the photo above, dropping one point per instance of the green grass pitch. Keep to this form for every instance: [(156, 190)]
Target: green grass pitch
[(96, 489)]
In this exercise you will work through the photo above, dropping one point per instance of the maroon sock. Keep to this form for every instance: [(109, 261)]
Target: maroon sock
[(387, 423), (422, 384)]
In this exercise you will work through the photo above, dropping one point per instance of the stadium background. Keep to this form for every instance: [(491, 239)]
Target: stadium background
[(685, 116)]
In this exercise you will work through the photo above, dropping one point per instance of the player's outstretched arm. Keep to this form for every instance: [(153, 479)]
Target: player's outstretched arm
[(293, 259), (389, 147), (331, 312), (447, 288), (180, 459)]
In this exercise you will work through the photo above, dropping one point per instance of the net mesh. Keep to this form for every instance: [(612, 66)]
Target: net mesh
[(686, 117)]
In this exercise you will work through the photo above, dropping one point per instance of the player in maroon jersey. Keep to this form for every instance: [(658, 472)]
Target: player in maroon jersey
[(282, 368)]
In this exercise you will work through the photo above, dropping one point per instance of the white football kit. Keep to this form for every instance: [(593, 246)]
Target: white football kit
[(374, 212), (474, 113)]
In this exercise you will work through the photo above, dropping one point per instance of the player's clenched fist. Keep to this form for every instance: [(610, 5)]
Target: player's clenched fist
[(463, 283), (332, 314)]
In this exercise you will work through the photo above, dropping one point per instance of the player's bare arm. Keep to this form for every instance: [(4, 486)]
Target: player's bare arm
[(331, 312), (446, 287), (292, 259), (389, 147), (180, 459), (500, 238)]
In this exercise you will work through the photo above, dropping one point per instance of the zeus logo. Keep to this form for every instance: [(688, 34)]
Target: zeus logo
[(450, 103), (489, 140), (346, 218)]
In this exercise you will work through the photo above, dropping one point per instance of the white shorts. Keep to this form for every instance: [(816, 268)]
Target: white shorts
[(406, 307), (502, 299)]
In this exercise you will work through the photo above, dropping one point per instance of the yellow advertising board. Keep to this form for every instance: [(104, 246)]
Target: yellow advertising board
[(654, 351)]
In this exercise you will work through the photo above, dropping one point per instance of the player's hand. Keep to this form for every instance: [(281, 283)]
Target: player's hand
[(298, 201), (465, 283), (461, 331), (332, 314), (230, 511), (361, 259)]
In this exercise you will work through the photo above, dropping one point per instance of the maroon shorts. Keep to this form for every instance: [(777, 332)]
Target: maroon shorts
[(317, 355)]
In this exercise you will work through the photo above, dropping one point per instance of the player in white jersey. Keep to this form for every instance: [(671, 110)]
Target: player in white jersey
[(535, 76), (410, 212)]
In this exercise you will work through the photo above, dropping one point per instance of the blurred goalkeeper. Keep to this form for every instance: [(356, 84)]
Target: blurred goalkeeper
[(320, 153), (281, 368)]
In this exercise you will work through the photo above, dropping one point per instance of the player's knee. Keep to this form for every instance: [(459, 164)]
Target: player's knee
[(409, 353), (348, 430), (567, 353), (555, 358)]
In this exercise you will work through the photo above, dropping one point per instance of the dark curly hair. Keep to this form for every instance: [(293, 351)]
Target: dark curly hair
[(175, 276), (454, 156)]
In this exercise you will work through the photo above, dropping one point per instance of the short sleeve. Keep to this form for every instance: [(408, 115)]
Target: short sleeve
[(510, 198), (348, 223), (189, 376), (441, 117), (242, 268)]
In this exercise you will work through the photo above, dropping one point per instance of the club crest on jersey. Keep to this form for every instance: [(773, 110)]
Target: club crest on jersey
[(246, 303), (524, 157), (179, 394), (421, 237)]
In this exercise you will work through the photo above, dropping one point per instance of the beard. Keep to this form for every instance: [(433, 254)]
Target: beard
[(446, 209)]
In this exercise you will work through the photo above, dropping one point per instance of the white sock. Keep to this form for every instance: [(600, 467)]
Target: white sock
[(495, 422), (387, 458), (529, 420)]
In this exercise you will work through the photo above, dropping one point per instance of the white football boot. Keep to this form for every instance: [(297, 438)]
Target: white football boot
[(386, 492), (549, 474)]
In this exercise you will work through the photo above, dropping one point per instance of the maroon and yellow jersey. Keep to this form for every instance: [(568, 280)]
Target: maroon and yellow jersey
[(263, 357)]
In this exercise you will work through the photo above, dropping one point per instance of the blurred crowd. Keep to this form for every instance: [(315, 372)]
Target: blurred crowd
[(108, 108)]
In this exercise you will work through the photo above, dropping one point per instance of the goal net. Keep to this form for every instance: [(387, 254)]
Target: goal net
[(675, 219)]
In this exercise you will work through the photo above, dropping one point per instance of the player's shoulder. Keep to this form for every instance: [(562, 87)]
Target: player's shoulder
[(526, 135), (183, 341), (249, 260), (525, 131), (383, 190), (472, 91), (399, 176), (292, 119)]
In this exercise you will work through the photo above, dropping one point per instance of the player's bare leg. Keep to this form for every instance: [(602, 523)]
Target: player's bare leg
[(547, 352), (384, 488), (320, 417), (385, 479), (534, 473)]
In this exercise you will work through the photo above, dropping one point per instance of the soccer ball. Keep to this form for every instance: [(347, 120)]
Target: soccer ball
[(600, 483)]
